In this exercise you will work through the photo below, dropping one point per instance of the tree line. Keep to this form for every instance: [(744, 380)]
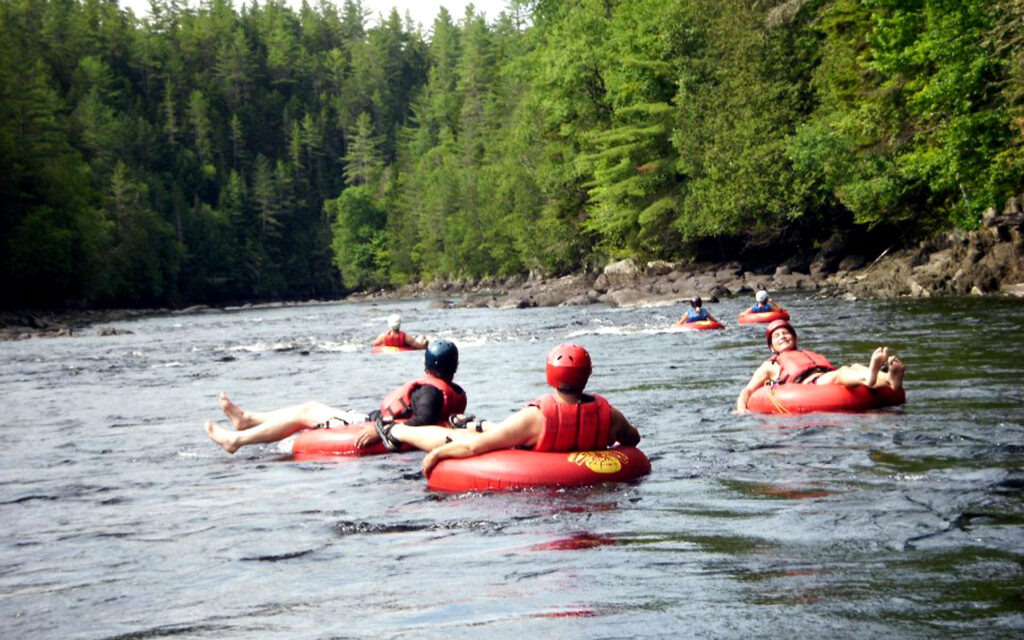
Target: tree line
[(211, 154)]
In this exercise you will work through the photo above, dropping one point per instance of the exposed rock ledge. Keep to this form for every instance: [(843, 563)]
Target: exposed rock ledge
[(989, 261)]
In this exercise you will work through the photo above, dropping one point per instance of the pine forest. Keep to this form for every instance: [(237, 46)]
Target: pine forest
[(208, 154)]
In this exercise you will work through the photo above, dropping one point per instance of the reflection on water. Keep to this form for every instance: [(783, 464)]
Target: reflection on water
[(123, 521)]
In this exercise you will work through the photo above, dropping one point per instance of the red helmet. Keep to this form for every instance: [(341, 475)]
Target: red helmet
[(777, 324), (568, 367)]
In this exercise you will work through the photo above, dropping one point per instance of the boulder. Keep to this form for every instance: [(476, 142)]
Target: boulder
[(657, 268), (625, 297)]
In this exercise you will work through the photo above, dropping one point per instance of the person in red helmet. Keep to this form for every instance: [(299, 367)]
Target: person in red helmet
[(566, 420), (790, 364)]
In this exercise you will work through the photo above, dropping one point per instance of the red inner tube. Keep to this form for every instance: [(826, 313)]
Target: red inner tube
[(700, 325), (809, 398), (336, 441), (381, 348), (754, 317), (516, 468)]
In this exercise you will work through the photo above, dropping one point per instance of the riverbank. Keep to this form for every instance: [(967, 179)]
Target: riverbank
[(989, 261)]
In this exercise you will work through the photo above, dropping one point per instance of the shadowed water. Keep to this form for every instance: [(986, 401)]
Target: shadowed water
[(123, 520)]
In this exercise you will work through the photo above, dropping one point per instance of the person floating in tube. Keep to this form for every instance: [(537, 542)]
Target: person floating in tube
[(395, 337), (764, 304), (697, 312), (566, 420), (431, 399), (789, 364)]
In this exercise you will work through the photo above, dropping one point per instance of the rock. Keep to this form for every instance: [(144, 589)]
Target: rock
[(112, 331), (851, 263), (831, 253), (589, 297), (736, 287), (1016, 290), (515, 302), (626, 297), (622, 268), (659, 268), (549, 298), (727, 273), (917, 291), (782, 270), (975, 291)]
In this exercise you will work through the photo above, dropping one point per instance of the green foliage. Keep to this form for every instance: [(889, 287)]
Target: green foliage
[(359, 242), (210, 154)]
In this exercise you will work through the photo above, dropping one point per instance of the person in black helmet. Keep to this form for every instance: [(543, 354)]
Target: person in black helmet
[(566, 420), (697, 312), (429, 400)]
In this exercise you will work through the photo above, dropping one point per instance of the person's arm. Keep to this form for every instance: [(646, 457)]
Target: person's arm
[(773, 305), (756, 381), (522, 428), (416, 342), (426, 403), (379, 340), (622, 431)]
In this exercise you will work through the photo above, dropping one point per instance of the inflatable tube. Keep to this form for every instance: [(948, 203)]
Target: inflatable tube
[(809, 398), (753, 317), (517, 468), (380, 348), (700, 325), (335, 441)]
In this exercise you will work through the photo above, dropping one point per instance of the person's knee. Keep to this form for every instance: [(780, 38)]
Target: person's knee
[(312, 408)]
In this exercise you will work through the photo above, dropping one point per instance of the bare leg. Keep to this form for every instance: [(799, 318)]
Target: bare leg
[(275, 426), (428, 438), (316, 411), (871, 376)]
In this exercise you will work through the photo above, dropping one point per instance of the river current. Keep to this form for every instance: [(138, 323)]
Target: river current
[(122, 520)]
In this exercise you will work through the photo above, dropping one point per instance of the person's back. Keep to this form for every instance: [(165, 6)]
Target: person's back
[(566, 420)]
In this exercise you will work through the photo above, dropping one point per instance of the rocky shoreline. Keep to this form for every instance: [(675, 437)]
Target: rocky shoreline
[(989, 261)]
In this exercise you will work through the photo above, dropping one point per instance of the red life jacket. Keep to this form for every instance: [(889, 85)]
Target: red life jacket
[(397, 404), (574, 427), (394, 339), (796, 364)]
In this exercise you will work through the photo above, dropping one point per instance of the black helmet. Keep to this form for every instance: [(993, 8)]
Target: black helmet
[(695, 302), (441, 359)]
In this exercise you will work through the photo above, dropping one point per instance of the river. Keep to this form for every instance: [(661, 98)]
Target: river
[(122, 520)]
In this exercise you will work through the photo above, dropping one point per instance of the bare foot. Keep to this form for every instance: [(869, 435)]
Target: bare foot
[(240, 418), (227, 440), (878, 360), (896, 369)]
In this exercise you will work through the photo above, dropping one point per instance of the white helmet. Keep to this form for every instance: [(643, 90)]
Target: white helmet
[(761, 295), (394, 321)]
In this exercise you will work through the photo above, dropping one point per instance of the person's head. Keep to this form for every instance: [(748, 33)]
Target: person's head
[(441, 359), (568, 368), (394, 322), (780, 336), (696, 302), (761, 296)]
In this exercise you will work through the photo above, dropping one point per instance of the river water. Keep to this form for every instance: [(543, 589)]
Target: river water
[(122, 520)]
